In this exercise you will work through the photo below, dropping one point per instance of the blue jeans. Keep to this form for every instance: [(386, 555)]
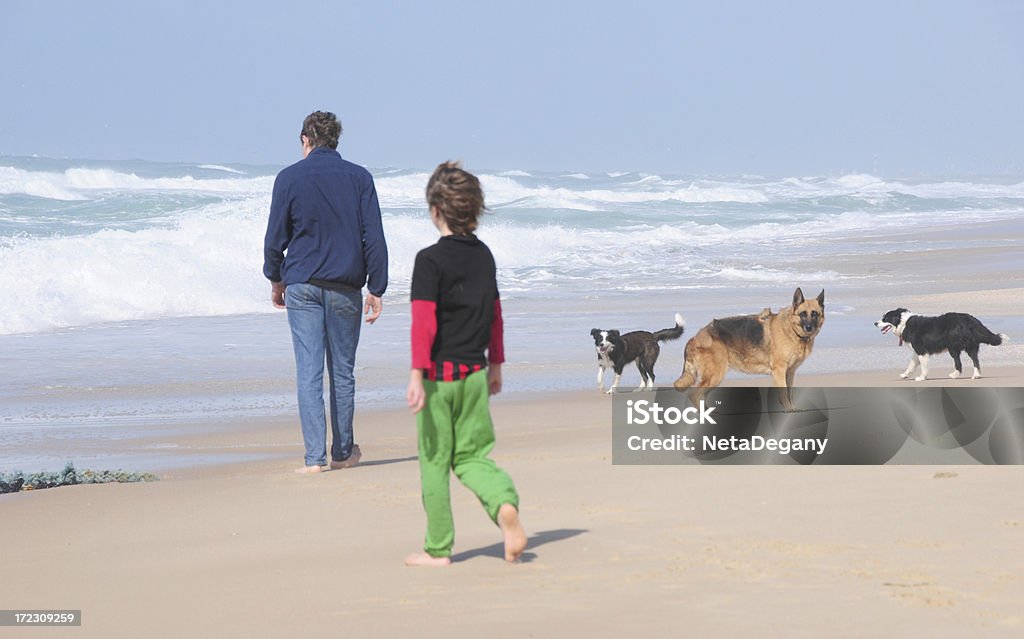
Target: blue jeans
[(323, 323)]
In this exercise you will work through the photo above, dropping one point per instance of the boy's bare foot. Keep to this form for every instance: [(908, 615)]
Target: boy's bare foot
[(352, 460), (512, 531), (423, 559), (306, 470)]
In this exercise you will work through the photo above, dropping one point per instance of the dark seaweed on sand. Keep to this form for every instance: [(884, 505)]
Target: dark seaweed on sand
[(13, 482)]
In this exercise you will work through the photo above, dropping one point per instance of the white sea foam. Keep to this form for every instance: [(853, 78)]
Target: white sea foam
[(108, 180), (175, 245), (82, 183), (761, 274), (51, 186), (218, 167), (407, 191), (209, 262), (870, 186)]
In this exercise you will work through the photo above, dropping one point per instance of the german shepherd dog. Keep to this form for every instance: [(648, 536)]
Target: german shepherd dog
[(614, 351), (770, 343)]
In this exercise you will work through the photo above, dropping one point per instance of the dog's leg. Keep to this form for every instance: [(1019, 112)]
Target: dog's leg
[(972, 352), (956, 362), (600, 378), (643, 379), (697, 394), (779, 375), (651, 361), (615, 383), (910, 368), (646, 372), (790, 374), (687, 378), (924, 368)]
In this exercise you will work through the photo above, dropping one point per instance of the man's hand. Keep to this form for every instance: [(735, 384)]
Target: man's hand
[(416, 396), (494, 379), (277, 294), (373, 308)]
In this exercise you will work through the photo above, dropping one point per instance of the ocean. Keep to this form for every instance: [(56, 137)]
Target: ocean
[(135, 301)]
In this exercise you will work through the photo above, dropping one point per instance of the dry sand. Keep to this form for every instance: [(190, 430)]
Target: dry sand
[(255, 550)]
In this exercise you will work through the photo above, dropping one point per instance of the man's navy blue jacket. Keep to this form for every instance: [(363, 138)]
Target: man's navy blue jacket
[(325, 213)]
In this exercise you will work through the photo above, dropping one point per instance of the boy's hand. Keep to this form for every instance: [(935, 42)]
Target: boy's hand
[(416, 396), (494, 379)]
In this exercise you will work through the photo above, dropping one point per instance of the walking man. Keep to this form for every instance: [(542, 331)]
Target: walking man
[(324, 242)]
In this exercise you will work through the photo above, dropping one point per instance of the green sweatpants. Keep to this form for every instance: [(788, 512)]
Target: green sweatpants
[(456, 433)]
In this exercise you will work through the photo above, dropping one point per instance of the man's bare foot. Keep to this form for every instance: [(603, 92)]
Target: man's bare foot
[(512, 531), (423, 559), (307, 470), (352, 460)]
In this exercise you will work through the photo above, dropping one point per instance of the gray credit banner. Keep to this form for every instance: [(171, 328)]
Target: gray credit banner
[(744, 425)]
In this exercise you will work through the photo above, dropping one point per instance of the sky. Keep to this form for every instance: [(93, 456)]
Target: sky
[(724, 87)]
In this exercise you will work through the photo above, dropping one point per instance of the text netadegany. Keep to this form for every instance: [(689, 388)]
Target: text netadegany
[(711, 443)]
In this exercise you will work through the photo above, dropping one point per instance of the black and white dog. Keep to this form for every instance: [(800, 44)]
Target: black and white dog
[(615, 351), (953, 332)]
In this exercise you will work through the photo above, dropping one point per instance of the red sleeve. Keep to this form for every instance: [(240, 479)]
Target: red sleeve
[(496, 349), (424, 329)]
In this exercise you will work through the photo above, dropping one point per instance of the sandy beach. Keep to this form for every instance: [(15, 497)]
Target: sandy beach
[(252, 549), (230, 542), (653, 167), (248, 548)]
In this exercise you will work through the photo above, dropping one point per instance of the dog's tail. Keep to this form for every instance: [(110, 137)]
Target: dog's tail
[(992, 338), (672, 333), (689, 375)]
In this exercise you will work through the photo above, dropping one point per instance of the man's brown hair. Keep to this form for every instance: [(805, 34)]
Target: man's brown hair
[(457, 196), (322, 128)]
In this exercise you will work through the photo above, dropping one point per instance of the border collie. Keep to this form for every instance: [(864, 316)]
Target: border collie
[(615, 351), (953, 332)]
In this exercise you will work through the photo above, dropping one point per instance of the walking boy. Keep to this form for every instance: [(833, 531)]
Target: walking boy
[(456, 316)]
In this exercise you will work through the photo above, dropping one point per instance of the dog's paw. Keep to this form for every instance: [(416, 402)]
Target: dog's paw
[(610, 391), (904, 375), (954, 375), (976, 376), (919, 378)]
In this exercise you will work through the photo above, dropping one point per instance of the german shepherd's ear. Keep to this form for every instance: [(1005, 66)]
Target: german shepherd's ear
[(821, 298), (798, 297), (594, 332)]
